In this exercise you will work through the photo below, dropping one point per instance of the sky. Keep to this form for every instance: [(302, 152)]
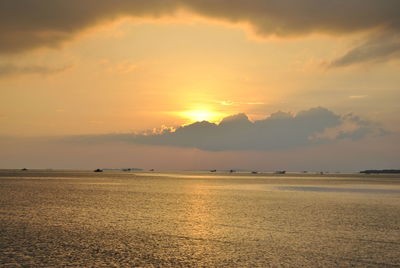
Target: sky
[(189, 85)]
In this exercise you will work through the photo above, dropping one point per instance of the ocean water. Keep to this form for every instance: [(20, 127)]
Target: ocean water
[(122, 219)]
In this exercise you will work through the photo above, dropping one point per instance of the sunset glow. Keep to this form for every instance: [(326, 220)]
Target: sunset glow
[(200, 133), (277, 81)]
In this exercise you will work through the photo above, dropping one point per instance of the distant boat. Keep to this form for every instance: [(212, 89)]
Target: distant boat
[(24, 169), (152, 169), (129, 169), (213, 170), (280, 172), (232, 170), (98, 170), (254, 172)]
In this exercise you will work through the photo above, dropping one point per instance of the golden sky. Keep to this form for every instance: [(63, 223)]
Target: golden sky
[(75, 69)]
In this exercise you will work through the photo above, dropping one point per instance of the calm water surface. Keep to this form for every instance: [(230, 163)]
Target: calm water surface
[(110, 219)]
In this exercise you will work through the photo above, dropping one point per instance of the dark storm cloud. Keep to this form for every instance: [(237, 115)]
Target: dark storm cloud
[(279, 131), (289, 17), (28, 24), (11, 69)]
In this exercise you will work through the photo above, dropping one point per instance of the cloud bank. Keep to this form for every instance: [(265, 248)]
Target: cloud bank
[(280, 131), (30, 24)]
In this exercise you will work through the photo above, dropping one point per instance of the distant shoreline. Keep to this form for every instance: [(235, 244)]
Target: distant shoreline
[(381, 171), (218, 174)]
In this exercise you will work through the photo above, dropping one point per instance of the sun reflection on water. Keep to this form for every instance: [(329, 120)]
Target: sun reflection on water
[(199, 214)]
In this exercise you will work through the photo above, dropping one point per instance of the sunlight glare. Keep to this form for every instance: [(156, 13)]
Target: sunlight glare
[(201, 115)]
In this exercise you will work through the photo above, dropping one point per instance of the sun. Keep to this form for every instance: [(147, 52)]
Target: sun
[(201, 115)]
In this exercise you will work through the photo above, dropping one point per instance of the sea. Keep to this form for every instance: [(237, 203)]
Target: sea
[(56, 218)]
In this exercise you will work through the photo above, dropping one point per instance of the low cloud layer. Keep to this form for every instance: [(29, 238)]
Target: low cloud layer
[(29, 24), (12, 69), (278, 132)]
